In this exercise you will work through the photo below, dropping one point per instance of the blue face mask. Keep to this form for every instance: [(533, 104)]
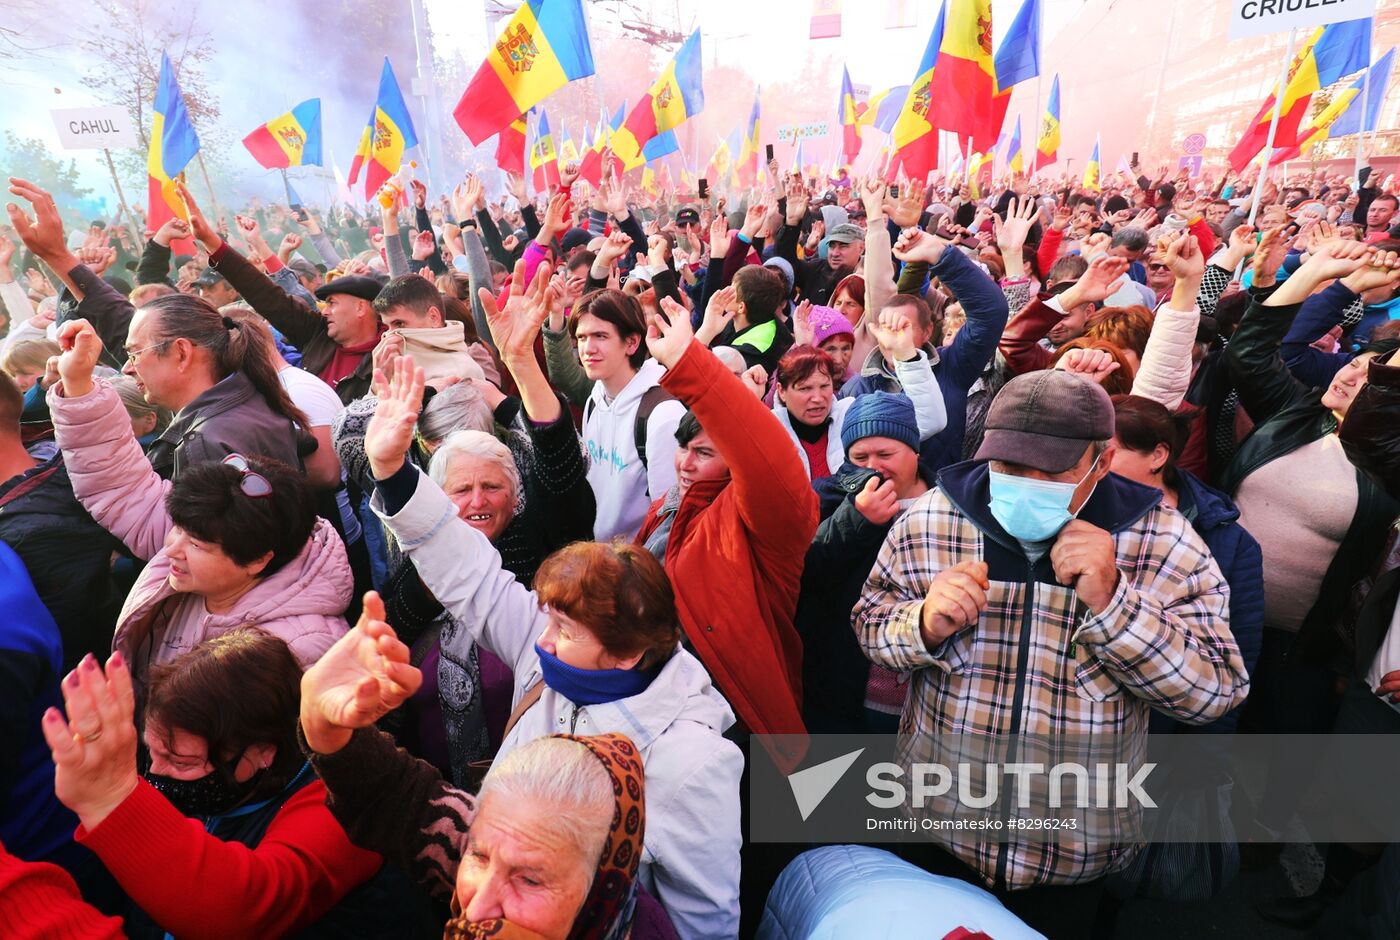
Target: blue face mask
[(1032, 510), (592, 686)]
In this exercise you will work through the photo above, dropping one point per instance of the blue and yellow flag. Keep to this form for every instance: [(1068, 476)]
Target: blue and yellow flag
[(294, 139), (387, 135), (173, 145)]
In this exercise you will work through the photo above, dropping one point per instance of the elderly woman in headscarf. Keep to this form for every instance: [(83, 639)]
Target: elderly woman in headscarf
[(550, 848)]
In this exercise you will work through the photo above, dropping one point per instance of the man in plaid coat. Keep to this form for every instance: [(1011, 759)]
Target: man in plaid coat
[(1036, 593)]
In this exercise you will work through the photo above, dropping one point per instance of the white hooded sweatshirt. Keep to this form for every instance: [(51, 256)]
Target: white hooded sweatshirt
[(623, 487)]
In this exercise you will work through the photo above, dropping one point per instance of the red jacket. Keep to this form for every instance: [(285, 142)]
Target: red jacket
[(188, 880), (737, 547)]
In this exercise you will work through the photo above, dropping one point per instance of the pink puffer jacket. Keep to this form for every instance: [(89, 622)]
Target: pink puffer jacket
[(302, 602)]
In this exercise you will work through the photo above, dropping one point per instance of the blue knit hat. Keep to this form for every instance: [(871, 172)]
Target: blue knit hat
[(881, 414)]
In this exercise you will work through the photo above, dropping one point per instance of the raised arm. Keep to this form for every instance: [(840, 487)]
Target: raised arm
[(1165, 372), (111, 476), (775, 498)]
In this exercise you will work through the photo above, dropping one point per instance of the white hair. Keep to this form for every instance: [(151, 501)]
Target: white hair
[(474, 444), (564, 778)]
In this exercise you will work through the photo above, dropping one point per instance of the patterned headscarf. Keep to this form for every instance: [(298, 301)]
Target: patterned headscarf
[(607, 911)]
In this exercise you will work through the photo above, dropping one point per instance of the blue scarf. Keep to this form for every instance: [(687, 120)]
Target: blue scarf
[(592, 686)]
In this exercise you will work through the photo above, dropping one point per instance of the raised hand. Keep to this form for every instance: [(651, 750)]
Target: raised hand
[(1092, 364), (907, 209), (1185, 258), (1020, 219), (754, 219), (466, 198), (515, 185), (423, 246), (955, 601), (669, 334), (917, 245), (894, 331), (614, 247), (719, 313), (797, 200), (97, 259), (568, 175), (872, 195), (420, 194), (719, 237), (755, 379), (43, 234), (515, 326), (203, 232), (802, 333), (290, 243), (94, 748), (390, 430), (365, 675), (1104, 276), (1382, 269), (613, 194), (81, 350)]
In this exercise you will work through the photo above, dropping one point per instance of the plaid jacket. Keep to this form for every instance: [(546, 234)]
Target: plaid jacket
[(1038, 662)]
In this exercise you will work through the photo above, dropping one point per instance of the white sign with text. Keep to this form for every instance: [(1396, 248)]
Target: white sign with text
[(1259, 17), (96, 128)]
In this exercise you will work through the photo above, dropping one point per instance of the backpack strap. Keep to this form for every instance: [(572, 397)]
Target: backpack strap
[(650, 399), (531, 696)]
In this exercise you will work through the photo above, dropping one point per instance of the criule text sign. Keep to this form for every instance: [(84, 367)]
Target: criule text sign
[(1258, 17)]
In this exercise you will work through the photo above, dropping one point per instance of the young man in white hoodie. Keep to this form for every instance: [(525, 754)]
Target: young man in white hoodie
[(629, 422)]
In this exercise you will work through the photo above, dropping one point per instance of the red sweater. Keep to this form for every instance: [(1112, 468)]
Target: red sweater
[(38, 901), (191, 882)]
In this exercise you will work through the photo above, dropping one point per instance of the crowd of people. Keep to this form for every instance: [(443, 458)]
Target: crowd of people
[(434, 570)]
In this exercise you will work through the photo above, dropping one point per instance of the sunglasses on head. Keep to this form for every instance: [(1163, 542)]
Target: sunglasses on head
[(251, 482)]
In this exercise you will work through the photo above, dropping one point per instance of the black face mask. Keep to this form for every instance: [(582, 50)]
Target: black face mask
[(210, 795)]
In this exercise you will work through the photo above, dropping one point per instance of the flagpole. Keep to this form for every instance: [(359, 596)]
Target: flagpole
[(1365, 111), (1273, 124), (204, 172), (121, 197)]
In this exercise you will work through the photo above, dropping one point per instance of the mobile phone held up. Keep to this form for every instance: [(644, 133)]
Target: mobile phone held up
[(768, 150), (704, 188)]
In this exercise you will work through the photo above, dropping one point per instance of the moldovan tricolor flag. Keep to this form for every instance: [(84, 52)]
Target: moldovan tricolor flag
[(543, 47), (510, 147), (1048, 147), (568, 152), (173, 145), (964, 77), (677, 95), (1351, 100), (846, 112), (914, 136), (544, 159), (746, 168), (1330, 53), (387, 135), (294, 139), (1091, 169), (591, 168), (1014, 161)]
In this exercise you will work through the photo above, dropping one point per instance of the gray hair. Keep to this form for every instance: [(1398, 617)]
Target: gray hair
[(733, 359), (477, 444), (565, 779), (1131, 238), (460, 407)]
